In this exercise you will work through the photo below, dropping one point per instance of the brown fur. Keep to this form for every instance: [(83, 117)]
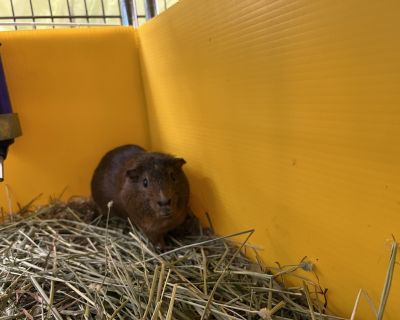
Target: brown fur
[(156, 209)]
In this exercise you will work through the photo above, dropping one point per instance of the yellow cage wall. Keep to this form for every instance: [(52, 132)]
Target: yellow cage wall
[(287, 113), (78, 94)]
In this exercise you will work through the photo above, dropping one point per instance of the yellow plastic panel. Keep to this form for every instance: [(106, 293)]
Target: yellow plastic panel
[(288, 113), (78, 93)]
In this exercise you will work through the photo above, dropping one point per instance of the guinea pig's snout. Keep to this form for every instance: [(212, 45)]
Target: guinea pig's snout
[(164, 203), (165, 208)]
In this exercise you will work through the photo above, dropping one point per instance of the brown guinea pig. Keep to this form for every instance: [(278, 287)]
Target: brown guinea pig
[(148, 187)]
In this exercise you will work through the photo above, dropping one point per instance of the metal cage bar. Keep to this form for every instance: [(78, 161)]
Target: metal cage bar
[(103, 10), (31, 7), (69, 11), (85, 16), (13, 13), (51, 12)]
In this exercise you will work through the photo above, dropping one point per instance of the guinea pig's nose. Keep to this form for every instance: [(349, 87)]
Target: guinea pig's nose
[(164, 202)]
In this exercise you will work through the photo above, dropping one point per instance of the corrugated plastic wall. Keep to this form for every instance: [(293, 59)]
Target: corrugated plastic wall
[(78, 93), (288, 115)]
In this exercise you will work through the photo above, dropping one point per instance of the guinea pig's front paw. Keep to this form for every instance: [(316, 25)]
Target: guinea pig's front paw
[(158, 243)]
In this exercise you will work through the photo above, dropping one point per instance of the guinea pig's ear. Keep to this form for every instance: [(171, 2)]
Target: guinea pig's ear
[(133, 174), (179, 162)]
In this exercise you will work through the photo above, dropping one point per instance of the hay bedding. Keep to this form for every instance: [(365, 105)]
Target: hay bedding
[(62, 261)]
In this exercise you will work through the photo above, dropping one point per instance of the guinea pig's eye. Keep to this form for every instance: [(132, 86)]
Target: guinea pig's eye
[(172, 177), (145, 182)]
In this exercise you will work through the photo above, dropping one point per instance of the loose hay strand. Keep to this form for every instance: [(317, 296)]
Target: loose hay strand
[(152, 290), (388, 279), (45, 298), (171, 303), (309, 301)]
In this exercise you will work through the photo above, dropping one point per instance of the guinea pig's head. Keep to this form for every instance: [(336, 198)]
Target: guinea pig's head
[(159, 186)]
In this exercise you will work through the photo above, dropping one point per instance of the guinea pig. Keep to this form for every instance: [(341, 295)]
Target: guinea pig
[(148, 187)]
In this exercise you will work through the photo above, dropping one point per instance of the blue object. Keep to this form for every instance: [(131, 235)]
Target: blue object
[(5, 104), (9, 121)]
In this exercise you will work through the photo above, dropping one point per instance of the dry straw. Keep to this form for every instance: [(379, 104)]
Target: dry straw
[(64, 262)]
